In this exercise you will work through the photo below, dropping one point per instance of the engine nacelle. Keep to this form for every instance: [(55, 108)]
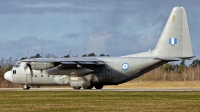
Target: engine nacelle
[(41, 65), (69, 71)]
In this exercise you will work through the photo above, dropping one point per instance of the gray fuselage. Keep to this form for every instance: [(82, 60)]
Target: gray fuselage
[(113, 72)]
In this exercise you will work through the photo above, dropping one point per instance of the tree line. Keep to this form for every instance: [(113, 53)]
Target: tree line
[(174, 72)]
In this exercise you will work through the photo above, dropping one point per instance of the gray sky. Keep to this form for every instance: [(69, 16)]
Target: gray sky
[(58, 26)]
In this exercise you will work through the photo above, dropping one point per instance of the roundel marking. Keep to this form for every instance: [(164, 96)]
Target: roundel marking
[(125, 66)]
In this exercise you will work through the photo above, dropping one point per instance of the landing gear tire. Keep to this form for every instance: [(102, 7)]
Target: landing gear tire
[(77, 88), (89, 87), (98, 86), (26, 87)]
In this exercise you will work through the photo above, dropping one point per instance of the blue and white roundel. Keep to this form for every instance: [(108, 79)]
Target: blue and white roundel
[(125, 66)]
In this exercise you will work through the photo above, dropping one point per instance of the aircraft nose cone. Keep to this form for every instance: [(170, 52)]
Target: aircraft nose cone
[(8, 76)]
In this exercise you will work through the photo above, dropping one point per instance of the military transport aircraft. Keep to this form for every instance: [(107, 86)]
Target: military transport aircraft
[(88, 72)]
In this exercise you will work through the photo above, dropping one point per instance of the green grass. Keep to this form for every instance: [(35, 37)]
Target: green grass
[(99, 101)]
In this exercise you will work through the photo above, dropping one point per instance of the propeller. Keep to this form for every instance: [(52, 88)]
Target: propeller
[(28, 65)]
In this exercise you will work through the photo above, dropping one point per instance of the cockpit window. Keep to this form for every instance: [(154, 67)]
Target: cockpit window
[(17, 64)]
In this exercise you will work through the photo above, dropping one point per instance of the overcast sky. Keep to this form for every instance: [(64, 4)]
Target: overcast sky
[(81, 26)]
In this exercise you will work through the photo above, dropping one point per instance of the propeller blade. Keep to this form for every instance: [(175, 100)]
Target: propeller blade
[(28, 65), (25, 67)]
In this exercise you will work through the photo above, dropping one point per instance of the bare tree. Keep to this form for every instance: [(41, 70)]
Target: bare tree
[(50, 56), (6, 65)]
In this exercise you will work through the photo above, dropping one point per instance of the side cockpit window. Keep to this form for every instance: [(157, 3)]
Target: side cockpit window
[(17, 65)]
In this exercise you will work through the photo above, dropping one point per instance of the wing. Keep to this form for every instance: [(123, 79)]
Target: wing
[(46, 63)]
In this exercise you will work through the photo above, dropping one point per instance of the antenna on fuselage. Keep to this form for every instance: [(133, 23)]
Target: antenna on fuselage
[(27, 55), (42, 54), (85, 50)]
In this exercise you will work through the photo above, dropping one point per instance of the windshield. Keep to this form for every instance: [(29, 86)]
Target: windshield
[(17, 64)]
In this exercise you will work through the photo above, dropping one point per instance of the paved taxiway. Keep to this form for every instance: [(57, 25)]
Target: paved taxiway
[(105, 89)]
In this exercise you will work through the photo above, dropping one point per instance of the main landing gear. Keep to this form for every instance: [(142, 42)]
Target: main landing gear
[(26, 87), (98, 86), (90, 87)]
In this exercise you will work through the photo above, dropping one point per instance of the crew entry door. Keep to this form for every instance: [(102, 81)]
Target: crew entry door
[(29, 77)]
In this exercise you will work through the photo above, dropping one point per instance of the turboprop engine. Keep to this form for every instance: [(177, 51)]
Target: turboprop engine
[(41, 65)]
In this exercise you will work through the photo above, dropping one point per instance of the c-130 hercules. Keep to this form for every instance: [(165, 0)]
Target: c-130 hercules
[(88, 72)]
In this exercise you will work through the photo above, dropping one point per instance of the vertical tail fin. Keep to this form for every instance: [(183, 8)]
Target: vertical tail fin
[(175, 38)]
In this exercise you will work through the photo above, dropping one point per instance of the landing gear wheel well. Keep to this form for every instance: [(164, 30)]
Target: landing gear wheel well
[(99, 86), (77, 87), (89, 87)]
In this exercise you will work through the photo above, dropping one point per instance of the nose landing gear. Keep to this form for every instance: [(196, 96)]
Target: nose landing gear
[(26, 87)]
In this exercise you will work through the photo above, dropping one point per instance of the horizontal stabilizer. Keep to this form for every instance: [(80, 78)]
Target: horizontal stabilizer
[(168, 59), (187, 57), (173, 58)]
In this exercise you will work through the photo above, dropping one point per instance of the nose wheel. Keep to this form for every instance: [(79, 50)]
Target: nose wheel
[(26, 87)]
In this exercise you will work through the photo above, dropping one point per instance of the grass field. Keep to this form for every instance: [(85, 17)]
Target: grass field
[(99, 101), (158, 84)]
